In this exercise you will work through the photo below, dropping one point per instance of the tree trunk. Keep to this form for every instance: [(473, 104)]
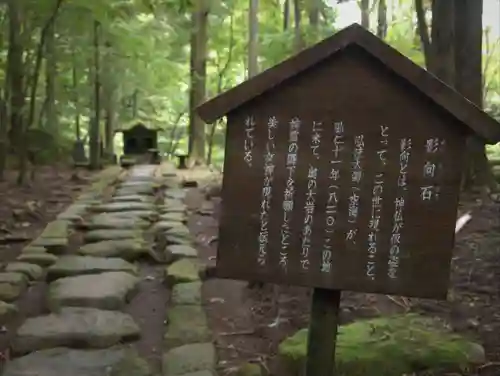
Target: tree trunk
[(286, 15), (299, 39), (110, 103), (16, 78), (94, 139), (468, 81), (253, 26), (199, 41), (423, 32), (313, 12), (50, 83), (442, 41), (76, 101), (364, 5), (382, 19)]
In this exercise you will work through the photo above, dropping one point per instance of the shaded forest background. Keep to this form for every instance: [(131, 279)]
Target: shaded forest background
[(76, 70)]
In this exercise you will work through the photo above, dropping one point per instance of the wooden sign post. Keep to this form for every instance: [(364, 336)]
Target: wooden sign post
[(342, 172)]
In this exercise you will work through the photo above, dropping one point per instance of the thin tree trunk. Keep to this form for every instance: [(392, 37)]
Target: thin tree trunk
[(298, 40), (423, 32), (94, 141), (198, 78), (382, 19), (286, 15), (253, 30), (365, 13)]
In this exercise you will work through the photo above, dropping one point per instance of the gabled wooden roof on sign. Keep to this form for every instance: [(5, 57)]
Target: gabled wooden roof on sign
[(440, 93)]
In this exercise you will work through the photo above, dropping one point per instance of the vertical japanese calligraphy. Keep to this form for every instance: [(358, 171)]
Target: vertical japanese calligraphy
[(430, 191), (356, 176), (378, 189), (399, 205), (333, 199), (265, 204), (291, 163), (249, 140), (310, 204)]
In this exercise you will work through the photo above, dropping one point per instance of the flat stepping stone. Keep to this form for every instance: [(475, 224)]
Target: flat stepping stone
[(196, 357), (56, 246), (131, 198), (173, 216), (109, 221), (175, 193), (175, 252), (33, 272), (186, 324), (186, 294), (42, 259), (14, 278), (75, 327), (34, 249), (182, 271), (116, 361), (148, 215), (134, 190), (109, 290), (122, 207), (130, 249), (10, 292), (56, 229), (165, 225), (68, 266), (110, 234)]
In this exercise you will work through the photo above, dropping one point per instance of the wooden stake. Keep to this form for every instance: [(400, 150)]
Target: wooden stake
[(323, 328)]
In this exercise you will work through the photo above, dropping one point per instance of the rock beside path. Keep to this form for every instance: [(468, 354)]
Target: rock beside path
[(109, 290), (68, 266), (175, 252), (186, 324), (116, 361), (75, 327)]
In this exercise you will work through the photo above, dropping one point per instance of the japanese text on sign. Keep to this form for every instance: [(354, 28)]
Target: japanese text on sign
[(249, 140), (331, 205), (267, 191), (310, 205), (430, 191), (356, 176), (378, 189), (291, 163), (399, 205)]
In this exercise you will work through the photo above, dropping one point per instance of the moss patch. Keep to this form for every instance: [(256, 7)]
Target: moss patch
[(392, 346)]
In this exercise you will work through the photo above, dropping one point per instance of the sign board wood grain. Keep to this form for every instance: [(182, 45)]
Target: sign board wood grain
[(342, 171)]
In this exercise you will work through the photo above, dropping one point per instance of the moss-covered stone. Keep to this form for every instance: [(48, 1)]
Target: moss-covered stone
[(392, 346), (42, 259), (182, 271), (249, 369), (56, 229), (186, 324), (34, 272)]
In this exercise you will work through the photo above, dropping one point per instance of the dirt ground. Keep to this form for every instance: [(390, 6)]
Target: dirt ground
[(243, 319), (25, 210)]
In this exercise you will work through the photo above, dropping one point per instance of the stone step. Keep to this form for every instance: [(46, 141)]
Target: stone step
[(75, 328), (116, 361), (110, 290), (128, 249), (68, 266)]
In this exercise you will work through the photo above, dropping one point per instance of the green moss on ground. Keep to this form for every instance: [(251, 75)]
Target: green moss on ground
[(390, 346)]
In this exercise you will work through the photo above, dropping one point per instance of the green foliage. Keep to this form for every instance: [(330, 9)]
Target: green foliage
[(145, 49), (391, 346)]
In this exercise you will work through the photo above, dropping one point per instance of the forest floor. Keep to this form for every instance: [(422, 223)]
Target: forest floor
[(26, 210), (242, 318)]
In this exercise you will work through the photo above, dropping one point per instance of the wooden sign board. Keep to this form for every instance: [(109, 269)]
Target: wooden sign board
[(342, 171)]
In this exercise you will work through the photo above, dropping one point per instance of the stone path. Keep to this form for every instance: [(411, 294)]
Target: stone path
[(94, 292)]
